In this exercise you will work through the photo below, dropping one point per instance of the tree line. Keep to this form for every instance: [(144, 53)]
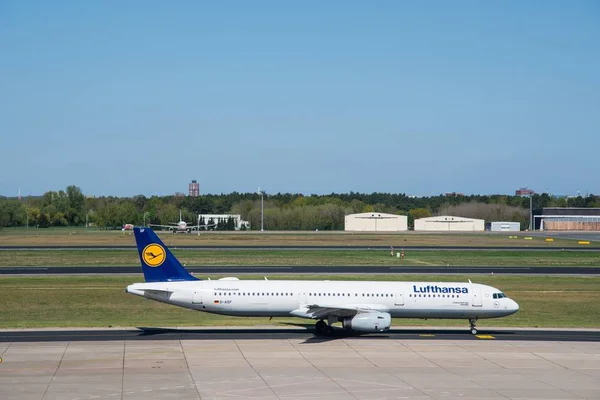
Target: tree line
[(282, 211)]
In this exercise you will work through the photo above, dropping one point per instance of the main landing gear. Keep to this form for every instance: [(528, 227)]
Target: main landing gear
[(472, 325), (322, 328)]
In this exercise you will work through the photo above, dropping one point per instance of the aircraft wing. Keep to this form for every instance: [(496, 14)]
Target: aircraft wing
[(163, 226), (316, 311), (188, 226)]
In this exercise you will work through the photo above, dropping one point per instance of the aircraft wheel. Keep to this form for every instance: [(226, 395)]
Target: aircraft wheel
[(472, 325), (321, 327)]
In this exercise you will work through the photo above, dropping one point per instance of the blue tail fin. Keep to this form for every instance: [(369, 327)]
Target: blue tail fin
[(158, 263)]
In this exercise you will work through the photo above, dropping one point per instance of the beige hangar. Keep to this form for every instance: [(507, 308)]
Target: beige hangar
[(448, 223), (376, 222)]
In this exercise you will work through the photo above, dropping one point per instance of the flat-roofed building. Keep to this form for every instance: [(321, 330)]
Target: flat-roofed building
[(567, 219), (505, 226)]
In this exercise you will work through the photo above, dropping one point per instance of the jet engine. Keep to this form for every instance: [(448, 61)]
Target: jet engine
[(374, 321)]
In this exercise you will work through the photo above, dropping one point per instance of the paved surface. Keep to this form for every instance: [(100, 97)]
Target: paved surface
[(301, 269), (296, 369), (592, 236), (296, 332)]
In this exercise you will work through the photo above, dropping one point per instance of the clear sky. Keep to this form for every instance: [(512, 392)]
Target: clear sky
[(417, 97)]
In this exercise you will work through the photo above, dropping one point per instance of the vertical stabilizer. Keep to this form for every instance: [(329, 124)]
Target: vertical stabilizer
[(158, 263)]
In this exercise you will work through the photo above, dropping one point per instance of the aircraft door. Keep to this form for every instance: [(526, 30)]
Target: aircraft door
[(399, 299), (197, 296), (477, 301)]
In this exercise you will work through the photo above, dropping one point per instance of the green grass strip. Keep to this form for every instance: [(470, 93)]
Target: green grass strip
[(306, 257)]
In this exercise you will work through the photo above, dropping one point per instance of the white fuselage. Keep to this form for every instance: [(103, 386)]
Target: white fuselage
[(253, 298)]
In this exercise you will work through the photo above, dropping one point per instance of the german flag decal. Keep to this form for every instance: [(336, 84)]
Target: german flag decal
[(217, 301)]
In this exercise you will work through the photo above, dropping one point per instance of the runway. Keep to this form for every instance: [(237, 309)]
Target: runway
[(307, 270), (305, 333)]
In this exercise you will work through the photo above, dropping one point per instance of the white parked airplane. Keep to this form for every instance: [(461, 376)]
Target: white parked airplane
[(181, 226), (361, 306)]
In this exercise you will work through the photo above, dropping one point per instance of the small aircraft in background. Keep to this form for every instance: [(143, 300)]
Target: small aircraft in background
[(182, 226), (178, 227)]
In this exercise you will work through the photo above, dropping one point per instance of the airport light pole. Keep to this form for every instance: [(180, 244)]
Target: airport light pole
[(531, 212)]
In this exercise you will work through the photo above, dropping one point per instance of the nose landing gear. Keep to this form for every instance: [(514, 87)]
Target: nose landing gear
[(472, 325)]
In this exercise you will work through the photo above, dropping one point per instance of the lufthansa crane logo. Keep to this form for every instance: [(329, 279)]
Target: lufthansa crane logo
[(154, 255)]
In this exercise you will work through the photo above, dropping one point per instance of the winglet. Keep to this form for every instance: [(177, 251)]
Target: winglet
[(158, 263)]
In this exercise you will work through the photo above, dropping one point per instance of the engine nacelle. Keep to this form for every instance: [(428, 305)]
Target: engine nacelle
[(368, 322)]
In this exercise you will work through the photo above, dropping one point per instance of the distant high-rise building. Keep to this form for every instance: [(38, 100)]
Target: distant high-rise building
[(194, 188), (524, 192)]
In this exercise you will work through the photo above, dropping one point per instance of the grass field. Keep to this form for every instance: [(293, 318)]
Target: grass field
[(82, 301), (83, 237), (305, 257)]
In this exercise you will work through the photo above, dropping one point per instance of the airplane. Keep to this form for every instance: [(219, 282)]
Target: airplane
[(361, 306), (181, 226)]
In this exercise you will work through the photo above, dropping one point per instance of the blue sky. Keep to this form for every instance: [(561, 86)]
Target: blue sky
[(417, 97)]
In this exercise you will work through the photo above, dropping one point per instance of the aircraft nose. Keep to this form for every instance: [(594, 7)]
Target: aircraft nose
[(514, 305)]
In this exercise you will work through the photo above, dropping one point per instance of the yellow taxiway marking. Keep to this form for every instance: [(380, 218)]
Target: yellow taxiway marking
[(485, 337), (427, 335)]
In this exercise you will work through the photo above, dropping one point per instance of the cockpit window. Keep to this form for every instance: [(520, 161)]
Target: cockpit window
[(499, 295)]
